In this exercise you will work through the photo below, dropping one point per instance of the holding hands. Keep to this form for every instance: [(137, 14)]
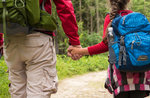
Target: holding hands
[(76, 52)]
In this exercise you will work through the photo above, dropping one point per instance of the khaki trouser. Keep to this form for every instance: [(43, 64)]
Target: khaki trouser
[(31, 61)]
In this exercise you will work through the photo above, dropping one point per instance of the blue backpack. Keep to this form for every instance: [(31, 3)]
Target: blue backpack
[(129, 44)]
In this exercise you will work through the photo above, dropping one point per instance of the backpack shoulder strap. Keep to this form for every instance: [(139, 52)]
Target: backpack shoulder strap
[(42, 5)]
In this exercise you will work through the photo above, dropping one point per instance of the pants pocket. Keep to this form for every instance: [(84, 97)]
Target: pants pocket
[(50, 80), (33, 40)]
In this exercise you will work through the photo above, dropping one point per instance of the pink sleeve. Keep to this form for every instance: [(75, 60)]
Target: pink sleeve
[(101, 47), (66, 14)]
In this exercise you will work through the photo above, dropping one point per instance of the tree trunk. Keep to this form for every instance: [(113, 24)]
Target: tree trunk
[(88, 22), (80, 8), (91, 26), (97, 15)]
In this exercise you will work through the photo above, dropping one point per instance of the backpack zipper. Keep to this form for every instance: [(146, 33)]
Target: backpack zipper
[(123, 20), (132, 44)]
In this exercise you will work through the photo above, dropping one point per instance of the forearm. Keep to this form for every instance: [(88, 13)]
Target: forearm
[(84, 51)]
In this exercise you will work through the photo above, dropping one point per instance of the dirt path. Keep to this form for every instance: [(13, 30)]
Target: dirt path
[(86, 86)]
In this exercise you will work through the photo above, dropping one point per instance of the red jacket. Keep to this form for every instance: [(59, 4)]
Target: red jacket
[(66, 14)]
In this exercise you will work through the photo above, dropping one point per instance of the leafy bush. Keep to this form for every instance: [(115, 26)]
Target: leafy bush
[(3, 80), (89, 39), (86, 38), (66, 67)]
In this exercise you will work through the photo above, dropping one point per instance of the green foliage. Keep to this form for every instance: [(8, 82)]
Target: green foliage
[(88, 8), (141, 6), (67, 67), (86, 38), (89, 39), (3, 80)]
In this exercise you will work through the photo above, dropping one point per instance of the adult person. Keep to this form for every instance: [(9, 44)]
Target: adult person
[(127, 84), (31, 57)]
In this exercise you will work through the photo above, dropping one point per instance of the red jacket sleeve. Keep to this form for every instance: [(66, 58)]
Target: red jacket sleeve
[(66, 14), (101, 47)]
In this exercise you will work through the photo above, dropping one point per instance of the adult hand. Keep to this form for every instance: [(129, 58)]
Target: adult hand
[(75, 56)]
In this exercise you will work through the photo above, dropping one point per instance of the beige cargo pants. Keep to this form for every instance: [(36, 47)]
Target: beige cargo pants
[(31, 61)]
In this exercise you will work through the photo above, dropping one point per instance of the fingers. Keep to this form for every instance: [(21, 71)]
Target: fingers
[(69, 51), (69, 54), (72, 54), (76, 57)]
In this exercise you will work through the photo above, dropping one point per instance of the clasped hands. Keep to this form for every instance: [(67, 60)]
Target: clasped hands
[(73, 52)]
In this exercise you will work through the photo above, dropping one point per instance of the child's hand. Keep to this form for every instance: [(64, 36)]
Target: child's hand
[(79, 51), (75, 51)]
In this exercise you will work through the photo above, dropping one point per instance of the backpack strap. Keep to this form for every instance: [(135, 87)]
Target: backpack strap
[(42, 5), (4, 19), (122, 52)]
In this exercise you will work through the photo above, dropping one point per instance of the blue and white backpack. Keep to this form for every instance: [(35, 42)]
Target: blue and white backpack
[(129, 48)]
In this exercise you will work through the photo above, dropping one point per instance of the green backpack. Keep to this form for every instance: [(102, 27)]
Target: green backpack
[(26, 13)]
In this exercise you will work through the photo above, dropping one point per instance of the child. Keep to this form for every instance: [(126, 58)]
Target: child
[(127, 84)]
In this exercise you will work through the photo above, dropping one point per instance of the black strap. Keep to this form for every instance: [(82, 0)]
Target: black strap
[(122, 52), (111, 76)]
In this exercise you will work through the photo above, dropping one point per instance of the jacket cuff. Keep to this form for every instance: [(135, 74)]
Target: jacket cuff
[(74, 42)]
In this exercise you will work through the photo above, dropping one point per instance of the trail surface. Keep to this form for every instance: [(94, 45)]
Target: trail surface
[(85, 86)]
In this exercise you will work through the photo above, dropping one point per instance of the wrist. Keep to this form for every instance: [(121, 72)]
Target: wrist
[(84, 51), (77, 46)]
